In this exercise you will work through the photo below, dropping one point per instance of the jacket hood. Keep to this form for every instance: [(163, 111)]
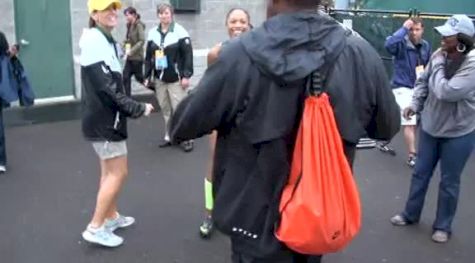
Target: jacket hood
[(291, 46)]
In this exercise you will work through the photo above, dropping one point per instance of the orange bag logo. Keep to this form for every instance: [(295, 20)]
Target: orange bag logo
[(320, 205)]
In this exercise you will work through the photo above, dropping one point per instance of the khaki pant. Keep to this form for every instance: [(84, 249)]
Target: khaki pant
[(169, 95)]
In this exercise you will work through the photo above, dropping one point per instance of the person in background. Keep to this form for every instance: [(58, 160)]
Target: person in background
[(237, 22), (257, 86), (6, 52), (134, 49), (411, 54), (445, 97), (104, 119), (169, 65)]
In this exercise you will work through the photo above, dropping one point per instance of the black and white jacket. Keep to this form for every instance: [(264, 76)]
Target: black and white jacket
[(177, 47), (104, 103)]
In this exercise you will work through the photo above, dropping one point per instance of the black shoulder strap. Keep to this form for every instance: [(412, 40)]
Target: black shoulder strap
[(316, 81)]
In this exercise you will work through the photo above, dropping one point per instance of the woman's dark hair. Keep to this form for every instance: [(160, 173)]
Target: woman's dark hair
[(3, 44), (241, 9), (467, 41), (131, 10), (452, 67), (92, 23)]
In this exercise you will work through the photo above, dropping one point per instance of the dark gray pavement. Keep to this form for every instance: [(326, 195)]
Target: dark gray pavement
[(48, 195)]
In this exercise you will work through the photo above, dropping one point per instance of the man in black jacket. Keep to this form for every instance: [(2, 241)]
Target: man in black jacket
[(253, 96)]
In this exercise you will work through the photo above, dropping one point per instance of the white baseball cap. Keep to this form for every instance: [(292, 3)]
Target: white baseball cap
[(455, 25)]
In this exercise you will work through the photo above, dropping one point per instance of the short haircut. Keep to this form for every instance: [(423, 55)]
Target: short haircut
[(417, 20), (163, 7)]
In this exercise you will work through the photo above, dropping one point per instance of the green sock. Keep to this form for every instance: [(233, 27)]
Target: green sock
[(209, 202)]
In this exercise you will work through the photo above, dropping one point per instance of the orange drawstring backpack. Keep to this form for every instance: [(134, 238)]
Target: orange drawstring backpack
[(320, 205)]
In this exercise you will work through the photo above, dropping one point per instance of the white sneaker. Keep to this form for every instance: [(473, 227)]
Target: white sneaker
[(440, 236), (3, 169), (399, 220), (102, 236), (119, 222)]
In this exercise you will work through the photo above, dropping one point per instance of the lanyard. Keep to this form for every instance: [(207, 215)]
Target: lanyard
[(420, 62), (164, 35)]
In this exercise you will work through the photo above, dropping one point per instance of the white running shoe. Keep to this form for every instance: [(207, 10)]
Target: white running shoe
[(119, 222), (102, 236)]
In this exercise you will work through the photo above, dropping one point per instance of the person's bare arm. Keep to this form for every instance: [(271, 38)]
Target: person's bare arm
[(213, 54)]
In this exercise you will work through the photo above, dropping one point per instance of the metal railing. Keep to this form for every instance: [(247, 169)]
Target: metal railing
[(398, 13)]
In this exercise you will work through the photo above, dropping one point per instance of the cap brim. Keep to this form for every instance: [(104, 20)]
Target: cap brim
[(446, 31), (117, 3)]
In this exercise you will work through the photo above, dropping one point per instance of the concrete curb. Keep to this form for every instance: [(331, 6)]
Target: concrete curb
[(54, 112)]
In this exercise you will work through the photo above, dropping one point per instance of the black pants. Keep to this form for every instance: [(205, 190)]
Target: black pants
[(290, 258), (293, 257), (132, 68), (350, 149), (3, 154)]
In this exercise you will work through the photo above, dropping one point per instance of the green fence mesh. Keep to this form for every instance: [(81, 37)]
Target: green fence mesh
[(376, 27)]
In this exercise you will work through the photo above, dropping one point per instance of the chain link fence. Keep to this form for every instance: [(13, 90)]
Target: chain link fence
[(376, 25)]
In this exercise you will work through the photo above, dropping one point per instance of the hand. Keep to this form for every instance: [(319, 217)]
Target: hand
[(148, 109), (185, 83), (13, 51), (408, 113), (127, 53), (146, 83), (408, 24)]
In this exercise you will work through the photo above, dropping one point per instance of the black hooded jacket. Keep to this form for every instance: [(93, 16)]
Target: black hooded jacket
[(253, 96), (105, 107)]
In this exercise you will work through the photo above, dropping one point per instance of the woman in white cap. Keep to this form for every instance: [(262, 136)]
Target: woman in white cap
[(445, 97), (105, 109)]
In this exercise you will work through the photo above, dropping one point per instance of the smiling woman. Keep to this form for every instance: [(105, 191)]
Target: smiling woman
[(237, 22), (105, 109), (444, 96), (107, 17), (169, 66)]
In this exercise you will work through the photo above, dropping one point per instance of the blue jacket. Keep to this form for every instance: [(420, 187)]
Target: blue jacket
[(14, 84), (406, 57)]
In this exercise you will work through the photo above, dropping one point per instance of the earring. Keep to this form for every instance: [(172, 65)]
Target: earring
[(461, 48)]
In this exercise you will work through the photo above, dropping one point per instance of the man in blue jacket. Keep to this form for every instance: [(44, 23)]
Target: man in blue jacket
[(411, 54)]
